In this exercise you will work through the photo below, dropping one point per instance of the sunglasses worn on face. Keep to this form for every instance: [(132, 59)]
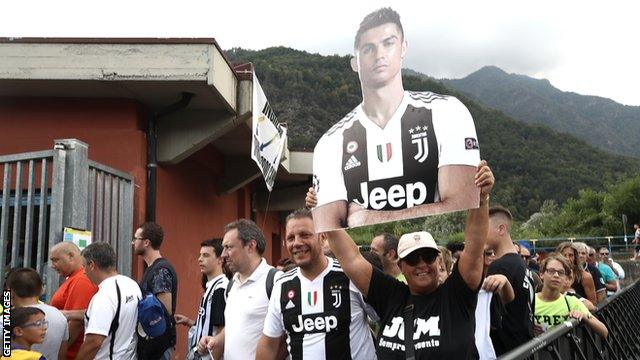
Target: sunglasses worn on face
[(604, 253), (427, 256)]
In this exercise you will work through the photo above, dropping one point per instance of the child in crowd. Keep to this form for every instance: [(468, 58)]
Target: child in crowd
[(28, 327), (552, 306)]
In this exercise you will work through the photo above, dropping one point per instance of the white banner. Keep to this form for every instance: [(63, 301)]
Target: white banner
[(268, 137)]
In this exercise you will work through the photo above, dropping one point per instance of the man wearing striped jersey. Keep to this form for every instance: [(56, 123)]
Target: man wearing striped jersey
[(315, 304), (399, 154), (210, 319)]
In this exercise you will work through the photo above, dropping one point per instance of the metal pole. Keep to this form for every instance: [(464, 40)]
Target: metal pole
[(624, 231)]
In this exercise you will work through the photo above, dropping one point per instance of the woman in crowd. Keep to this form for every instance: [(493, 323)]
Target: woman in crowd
[(583, 284), (552, 306)]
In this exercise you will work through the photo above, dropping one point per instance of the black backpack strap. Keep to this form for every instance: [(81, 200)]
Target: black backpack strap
[(229, 285), (566, 302), (269, 284), (409, 349), (115, 323)]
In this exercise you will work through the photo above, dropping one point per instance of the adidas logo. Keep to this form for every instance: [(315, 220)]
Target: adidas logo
[(290, 305), (352, 163)]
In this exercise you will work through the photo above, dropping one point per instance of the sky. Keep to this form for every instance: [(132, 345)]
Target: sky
[(587, 47)]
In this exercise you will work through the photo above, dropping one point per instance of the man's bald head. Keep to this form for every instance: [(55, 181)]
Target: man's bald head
[(66, 247), (65, 258)]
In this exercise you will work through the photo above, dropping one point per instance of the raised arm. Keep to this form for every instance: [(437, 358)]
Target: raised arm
[(476, 229), (353, 263)]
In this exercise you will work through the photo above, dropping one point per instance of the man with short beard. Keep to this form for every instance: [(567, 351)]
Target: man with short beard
[(248, 293), (386, 247), (161, 280), (316, 305)]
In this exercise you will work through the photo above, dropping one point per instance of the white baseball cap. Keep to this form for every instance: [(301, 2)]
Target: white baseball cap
[(414, 241)]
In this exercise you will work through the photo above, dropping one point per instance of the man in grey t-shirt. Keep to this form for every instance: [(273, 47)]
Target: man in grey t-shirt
[(26, 288)]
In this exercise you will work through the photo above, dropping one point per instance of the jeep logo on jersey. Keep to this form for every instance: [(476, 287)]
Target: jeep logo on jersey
[(419, 137), (315, 323), (398, 196), (384, 153)]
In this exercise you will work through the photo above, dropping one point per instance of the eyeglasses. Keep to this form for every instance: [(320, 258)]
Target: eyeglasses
[(414, 258), (604, 253), (551, 271), (489, 253), (39, 324), (137, 238)]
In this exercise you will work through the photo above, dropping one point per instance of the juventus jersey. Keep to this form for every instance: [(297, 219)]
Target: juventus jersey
[(395, 167), (211, 311), (324, 318)]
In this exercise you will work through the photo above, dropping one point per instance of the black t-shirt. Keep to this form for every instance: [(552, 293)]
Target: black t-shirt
[(598, 281), (158, 278), (517, 320), (444, 319)]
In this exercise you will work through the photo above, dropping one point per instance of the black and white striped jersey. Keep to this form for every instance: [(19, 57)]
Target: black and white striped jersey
[(395, 167), (211, 311), (323, 318)]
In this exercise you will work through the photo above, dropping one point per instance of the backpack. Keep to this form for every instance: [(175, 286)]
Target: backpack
[(268, 284), (151, 317), (156, 327)]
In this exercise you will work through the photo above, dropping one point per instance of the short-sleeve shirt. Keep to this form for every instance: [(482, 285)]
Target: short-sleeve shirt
[(606, 272), (444, 320), (161, 277), (211, 311), (57, 332), (323, 318), (550, 314), (74, 294), (517, 321), (244, 314), (395, 167), (102, 311)]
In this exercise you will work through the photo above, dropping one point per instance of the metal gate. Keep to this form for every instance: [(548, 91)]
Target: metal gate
[(43, 192)]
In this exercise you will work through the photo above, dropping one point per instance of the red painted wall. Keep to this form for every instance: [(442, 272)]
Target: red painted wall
[(188, 207)]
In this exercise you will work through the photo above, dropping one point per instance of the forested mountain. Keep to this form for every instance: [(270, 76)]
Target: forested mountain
[(599, 121), (310, 92)]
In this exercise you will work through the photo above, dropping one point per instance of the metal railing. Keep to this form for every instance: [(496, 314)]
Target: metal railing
[(574, 340), (65, 189), (621, 243)]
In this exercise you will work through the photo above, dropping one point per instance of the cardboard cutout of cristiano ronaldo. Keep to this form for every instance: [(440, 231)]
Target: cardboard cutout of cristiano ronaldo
[(399, 154)]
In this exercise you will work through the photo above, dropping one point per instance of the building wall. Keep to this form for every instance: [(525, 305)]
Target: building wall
[(188, 206)]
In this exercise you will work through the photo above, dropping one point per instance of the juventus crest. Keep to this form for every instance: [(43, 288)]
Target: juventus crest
[(419, 138), (336, 294)]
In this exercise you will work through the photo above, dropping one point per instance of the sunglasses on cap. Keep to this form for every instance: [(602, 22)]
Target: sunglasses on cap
[(428, 256)]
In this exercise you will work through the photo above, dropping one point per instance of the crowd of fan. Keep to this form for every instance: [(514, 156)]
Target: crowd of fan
[(489, 293)]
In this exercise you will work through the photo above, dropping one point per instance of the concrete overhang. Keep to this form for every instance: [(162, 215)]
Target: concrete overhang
[(154, 72)]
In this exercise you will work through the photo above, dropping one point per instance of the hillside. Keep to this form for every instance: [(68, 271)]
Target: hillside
[(532, 163), (598, 121)]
